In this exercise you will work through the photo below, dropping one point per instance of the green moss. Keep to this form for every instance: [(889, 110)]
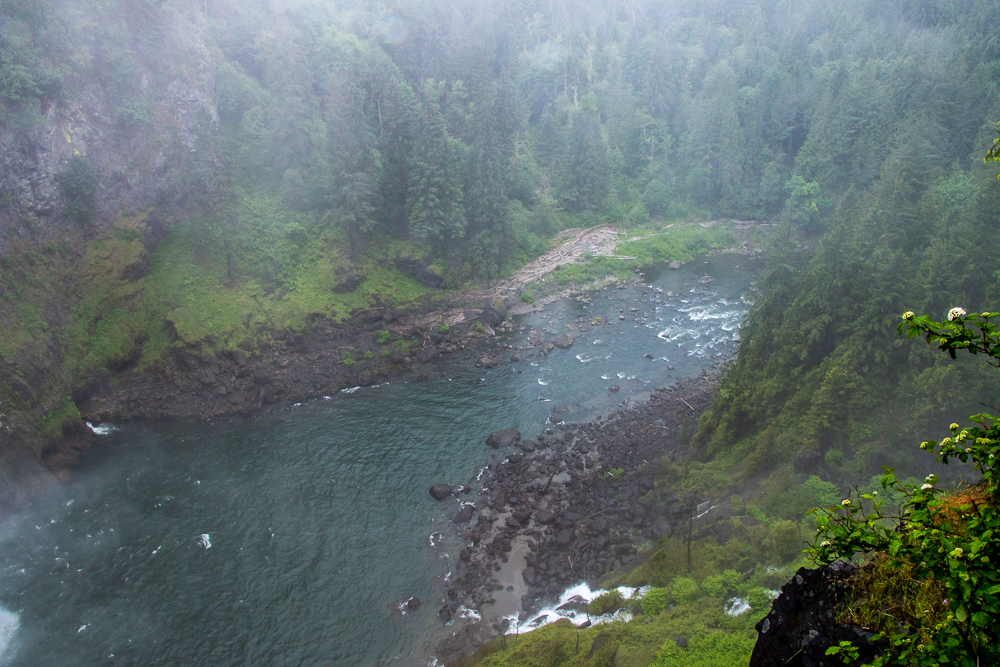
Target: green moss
[(51, 423)]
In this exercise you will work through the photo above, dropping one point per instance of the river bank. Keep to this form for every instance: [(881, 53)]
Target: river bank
[(572, 505)]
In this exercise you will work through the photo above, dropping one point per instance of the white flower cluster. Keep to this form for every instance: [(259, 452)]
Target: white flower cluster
[(955, 312)]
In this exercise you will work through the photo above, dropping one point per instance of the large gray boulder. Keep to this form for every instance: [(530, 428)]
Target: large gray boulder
[(504, 438), (440, 491), (563, 340)]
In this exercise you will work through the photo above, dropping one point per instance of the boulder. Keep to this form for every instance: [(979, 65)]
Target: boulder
[(419, 271), (530, 577), (528, 445), (487, 361), (545, 517), (464, 514), (613, 388), (562, 410), (521, 516), (429, 353), (440, 491), (504, 438), (676, 264), (262, 376), (564, 537), (516, 357), (563, 341), (413, 603)]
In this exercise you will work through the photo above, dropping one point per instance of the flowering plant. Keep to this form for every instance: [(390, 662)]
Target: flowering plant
[(946, 543)]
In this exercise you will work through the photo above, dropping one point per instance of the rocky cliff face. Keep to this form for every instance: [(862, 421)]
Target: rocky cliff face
[(138, 159), (144, 152), (801, 625)]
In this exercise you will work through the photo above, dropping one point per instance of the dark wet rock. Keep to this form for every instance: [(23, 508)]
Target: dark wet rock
[(528, 445), (800, 626), (613, 388), (522, 515), (564, 537), (584, 625), (562, 410), (530, 576), (563, 341), (262, 376), (545, 517), (647, 356), (464, 514), (676, 264), (419, 271), (487, 361), (504, 438), (681, 641), (600, 525), (429, 353), (516, 357), (413, 603), (440, 491), (465, 553)]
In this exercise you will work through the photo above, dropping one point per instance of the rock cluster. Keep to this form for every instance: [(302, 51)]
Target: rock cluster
[(556, 494)]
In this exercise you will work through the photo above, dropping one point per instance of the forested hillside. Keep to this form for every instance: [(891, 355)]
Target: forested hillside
[(239, 151)]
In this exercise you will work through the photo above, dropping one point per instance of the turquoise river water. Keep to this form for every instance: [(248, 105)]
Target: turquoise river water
[(291, 538)]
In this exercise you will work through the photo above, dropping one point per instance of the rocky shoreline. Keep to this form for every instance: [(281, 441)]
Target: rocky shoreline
[(572, 505)]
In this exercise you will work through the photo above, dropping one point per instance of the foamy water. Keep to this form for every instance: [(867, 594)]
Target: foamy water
[(578, 595), (9, 623)]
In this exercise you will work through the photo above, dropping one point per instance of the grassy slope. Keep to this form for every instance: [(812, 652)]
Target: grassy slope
[(78, 308)]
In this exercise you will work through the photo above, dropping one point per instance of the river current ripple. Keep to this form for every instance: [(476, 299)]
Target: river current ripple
[(292, 538)]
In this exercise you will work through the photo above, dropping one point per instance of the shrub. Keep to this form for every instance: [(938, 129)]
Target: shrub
[(479, 327), (654, 602), (721, 585), (606, 603), (368, 354), (443, 329), (528, 297), (787, 540), (685, 590), (383, 337), (947, 540), (759, 599)]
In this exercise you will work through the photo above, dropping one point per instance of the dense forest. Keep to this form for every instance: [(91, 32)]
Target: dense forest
[(471, 132), (325, 138)]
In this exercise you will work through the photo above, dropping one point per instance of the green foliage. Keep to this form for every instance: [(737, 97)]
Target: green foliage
[(443, 329), (847, 651), (760, 599), (528, 297), (479, 327), (654, 601), (948, 541), (382, 337), (787, 540), (685, 590), (78, 184), (721, 585), (368, 354), (606, 603)]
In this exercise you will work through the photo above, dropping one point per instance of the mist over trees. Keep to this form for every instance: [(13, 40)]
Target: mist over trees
[(478, 128), (472, 131)]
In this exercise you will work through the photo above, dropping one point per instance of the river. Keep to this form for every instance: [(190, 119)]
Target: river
[(292, 538)]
